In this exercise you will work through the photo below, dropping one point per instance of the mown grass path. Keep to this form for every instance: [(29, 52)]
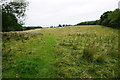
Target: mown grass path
[(33, 58), (68, 52), (45, 53), (48, 68)]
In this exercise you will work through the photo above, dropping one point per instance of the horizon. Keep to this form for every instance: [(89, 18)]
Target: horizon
[(53, 25), (52, 13)]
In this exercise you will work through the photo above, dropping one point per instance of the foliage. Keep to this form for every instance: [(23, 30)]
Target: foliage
[(13, 14), (111, 19), (16, 8), (104, 16), (10, 22), (64, 25), (59, 25), (29, 28), (89, 23)]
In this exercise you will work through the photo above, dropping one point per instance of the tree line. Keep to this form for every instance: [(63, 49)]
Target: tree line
[(89, 23), (30, 28), (109, 19), (13, 14)]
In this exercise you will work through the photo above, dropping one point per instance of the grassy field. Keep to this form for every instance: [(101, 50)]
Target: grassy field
[(68, 52)]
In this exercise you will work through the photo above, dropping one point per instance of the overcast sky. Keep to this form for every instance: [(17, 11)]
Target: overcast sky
[(54, 12)]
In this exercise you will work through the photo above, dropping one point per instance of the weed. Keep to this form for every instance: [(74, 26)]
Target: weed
[(88, 54)]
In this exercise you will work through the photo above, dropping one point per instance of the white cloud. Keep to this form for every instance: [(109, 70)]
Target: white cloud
[(54, 12)]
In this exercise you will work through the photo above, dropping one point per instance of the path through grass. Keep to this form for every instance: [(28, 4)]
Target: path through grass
[(31, 58), (69, 52)]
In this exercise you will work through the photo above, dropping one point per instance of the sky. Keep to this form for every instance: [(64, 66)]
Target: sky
[(47, 13)]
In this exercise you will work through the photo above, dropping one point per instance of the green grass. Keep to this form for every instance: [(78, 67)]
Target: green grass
[(69, 52)]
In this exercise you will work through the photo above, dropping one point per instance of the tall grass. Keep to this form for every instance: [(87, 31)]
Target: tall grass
[(92, 50), (69, 52)]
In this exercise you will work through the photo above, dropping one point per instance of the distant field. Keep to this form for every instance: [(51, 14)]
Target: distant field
[(68, 52)]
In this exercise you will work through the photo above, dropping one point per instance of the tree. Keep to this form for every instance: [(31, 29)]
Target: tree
[(10, 22), (59, 25), (16, 8), (64, 25), (111, 19), (114, 19), (13, 14), (104, 16), (89, 23)]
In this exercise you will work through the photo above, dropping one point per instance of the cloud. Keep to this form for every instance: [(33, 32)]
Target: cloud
[(54, 12)]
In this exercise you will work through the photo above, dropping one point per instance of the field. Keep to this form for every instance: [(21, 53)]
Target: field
[(68, 52)]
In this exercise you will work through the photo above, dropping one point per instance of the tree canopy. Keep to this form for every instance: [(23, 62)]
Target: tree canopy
[(89, 23), (13, 13), (110, 19)]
